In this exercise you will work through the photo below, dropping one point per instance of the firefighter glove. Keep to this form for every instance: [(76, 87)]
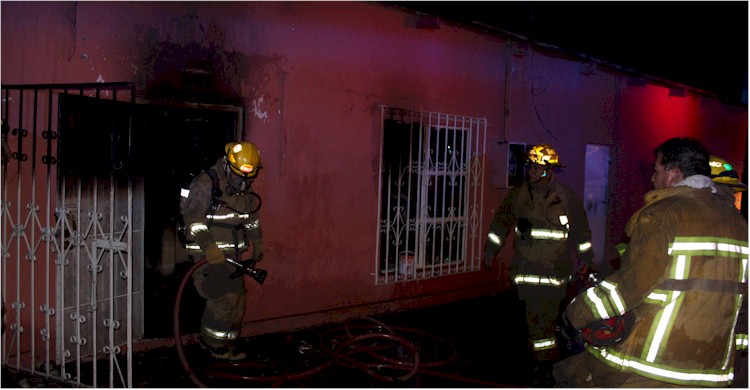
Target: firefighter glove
[(568, 331), (258, 250), (214, 255)]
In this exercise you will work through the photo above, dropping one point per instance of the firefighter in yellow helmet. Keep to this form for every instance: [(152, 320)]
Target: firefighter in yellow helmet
[(729, 184), (722, 172), (549, 225), (221, 214)]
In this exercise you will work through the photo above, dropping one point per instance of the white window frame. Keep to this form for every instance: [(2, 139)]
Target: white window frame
[(430, 195)]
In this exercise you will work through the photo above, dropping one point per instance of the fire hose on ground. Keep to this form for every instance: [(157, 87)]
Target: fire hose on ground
[(360, 343)]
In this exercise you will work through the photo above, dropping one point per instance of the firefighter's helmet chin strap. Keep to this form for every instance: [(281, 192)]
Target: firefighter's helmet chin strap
[(549, 169), (231, 188)]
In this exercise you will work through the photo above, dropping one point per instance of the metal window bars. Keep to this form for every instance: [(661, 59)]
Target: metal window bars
[(430, 191)]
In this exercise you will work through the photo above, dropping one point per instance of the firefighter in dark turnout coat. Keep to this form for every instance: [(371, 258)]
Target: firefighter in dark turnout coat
[(224, 225), (683, 278), (549, 224)]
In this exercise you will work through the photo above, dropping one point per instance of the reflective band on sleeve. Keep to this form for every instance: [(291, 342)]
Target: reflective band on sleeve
[(604, 300), (584, 247), (494, 238), (601, 311), (741, 341), (614, 296)]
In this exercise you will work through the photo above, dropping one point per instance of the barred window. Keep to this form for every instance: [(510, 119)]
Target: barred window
[(432, 169)]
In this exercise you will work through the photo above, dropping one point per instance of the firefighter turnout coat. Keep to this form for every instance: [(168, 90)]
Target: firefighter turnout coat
[(684, 277), (547, 221), (230, 222), (549, 224)]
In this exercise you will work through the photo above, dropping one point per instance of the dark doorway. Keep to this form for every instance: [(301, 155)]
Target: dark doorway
[(174, 144)]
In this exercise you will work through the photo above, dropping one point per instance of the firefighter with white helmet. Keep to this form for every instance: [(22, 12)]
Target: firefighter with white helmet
[(220, 211), (549, 224)]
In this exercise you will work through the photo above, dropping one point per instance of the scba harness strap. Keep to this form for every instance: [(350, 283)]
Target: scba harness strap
[(216, 202), (215, 191)]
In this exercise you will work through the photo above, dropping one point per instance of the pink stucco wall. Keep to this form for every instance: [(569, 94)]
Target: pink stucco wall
[(311, 77)]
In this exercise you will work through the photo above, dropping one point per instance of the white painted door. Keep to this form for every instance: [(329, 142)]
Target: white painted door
[(595, 197)]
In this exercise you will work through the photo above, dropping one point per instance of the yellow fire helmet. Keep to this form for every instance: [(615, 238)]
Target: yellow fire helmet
[(243, 158), (722, 172), (543, 155)]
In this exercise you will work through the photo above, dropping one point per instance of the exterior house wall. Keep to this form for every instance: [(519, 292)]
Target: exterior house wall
[(311, 76)]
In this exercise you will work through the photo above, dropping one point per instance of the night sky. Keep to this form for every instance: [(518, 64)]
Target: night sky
[(699, 44)]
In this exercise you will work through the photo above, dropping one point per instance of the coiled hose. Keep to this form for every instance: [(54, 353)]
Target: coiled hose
[(363, 343)]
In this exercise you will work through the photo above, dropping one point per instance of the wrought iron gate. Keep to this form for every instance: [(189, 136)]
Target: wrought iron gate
[(71, 275)]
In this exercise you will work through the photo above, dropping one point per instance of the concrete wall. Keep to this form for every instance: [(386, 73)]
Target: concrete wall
[(311, 76)]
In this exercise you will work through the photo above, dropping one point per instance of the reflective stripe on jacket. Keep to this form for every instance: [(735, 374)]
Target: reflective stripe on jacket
[(684, 276), (547, 222), (225, 226)]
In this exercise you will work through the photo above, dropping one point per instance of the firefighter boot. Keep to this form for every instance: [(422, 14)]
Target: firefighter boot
[(225, 352)]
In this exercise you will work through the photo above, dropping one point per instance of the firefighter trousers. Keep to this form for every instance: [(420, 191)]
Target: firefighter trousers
[(542, 306), (225, 304)]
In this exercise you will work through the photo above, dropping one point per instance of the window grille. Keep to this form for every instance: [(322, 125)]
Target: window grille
[(430, 191)]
